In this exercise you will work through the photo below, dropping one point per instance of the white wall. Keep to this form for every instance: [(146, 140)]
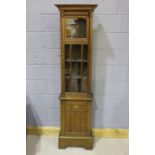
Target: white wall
[(110, 62)]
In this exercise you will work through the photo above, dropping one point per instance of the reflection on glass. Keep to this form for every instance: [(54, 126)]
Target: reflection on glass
[(76, 28)]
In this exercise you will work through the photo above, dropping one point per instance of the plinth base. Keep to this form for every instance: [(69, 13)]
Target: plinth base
[(76, 141)]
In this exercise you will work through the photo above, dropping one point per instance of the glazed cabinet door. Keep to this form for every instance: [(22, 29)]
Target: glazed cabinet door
[(76, 67)]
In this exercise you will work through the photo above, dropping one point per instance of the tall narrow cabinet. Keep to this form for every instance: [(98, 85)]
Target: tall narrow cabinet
[(76, 75)]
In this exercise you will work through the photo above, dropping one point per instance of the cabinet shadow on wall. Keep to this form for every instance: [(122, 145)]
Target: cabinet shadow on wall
[(98, 83), (32, 119)]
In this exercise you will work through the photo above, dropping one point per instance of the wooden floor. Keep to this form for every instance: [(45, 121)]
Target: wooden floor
[(48, 145)]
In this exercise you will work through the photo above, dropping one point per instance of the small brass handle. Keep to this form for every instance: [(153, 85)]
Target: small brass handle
[(75, 106)]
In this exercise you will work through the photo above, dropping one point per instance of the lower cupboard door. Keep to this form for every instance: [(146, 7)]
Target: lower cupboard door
[(76, 122)]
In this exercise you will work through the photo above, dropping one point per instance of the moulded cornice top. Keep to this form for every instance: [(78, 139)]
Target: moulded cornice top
[(89, 7)]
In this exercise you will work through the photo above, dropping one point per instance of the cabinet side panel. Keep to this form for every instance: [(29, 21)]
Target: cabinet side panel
[(62, 51), (63, 117), (90, 53), (89, 119)]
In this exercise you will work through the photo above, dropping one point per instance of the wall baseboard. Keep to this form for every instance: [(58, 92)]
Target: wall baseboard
[(98, 132)]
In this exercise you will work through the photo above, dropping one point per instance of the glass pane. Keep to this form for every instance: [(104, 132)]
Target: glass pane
[(73, 85), (84, 78), (76, 69), (85, 52), (67, 52), (85, 68), (76, 52), (84, 85), (67, 69), (76, 28), (66, 85)]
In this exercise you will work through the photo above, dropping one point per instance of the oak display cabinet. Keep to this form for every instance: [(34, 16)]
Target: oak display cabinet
[(76, 75)]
